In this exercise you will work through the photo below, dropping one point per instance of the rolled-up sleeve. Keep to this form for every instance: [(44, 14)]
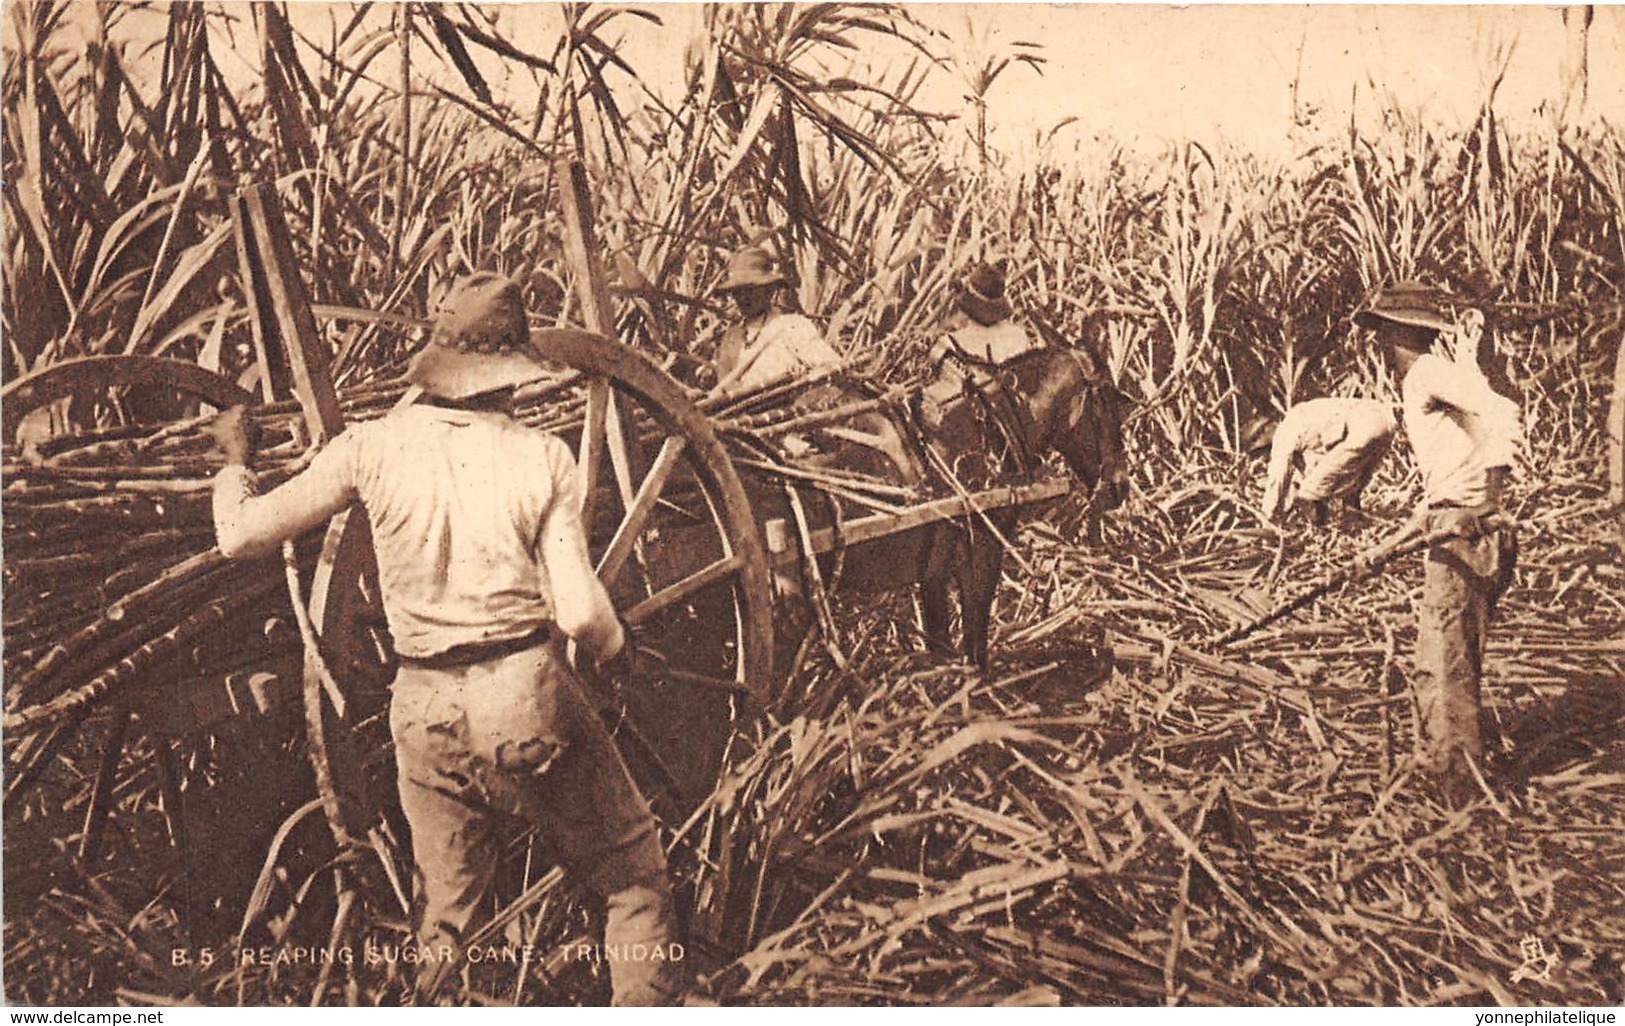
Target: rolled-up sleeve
[(247, 525), (581, 605), (1464, 386)]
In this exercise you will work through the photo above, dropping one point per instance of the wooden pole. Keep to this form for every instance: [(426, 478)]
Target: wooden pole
[(603, 424), (295, 362)]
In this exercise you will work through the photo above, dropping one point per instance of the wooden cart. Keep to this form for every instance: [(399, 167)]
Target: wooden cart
[(671, 527)]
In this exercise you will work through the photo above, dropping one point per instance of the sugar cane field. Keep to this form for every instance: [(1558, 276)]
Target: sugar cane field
[(1147, 797)]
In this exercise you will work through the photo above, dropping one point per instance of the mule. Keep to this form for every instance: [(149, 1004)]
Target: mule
[(994, 431), (998, 428)]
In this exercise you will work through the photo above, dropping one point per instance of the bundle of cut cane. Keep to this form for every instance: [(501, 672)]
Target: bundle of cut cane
[(111, 575)]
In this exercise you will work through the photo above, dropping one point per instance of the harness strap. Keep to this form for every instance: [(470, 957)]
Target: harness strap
[(1004, 413), (954, 348)]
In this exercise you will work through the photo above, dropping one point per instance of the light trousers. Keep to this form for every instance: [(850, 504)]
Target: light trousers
[(516, 736)]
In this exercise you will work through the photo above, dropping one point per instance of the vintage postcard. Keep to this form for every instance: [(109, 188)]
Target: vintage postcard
[(811, 505)]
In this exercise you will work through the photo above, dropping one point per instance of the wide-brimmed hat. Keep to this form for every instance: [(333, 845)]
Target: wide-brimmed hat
[(1410, 303), (981, 293), (752, 265), (480, 341)]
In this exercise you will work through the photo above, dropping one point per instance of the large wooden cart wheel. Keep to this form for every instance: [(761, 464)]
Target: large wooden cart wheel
[(677, 546), (89, 377), (672, 534)]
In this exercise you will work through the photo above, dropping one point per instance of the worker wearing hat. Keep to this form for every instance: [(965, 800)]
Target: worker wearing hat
[(769, 343), (483, 573), (1465, 436), (976, 337), (982, 331), (1338, 442)]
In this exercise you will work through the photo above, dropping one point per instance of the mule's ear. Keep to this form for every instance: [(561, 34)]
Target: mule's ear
[(1089, 348)]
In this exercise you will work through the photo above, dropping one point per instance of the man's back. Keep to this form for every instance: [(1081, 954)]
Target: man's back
[(474, 519), (969, 348), (1339, 440), (457, 501), (992, 343)]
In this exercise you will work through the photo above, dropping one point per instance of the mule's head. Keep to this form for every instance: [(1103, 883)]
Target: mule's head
[(1078, 412)]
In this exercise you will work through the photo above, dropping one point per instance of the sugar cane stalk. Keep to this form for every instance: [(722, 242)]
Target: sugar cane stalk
[(1413, 537), (104, 637), (139, 662)]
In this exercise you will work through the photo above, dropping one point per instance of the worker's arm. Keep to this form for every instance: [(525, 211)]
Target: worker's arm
[(581, 606), (1284, 448), (1464, 387), (806, 341), (738, 354), (747, 360), (247, 525), (1504, 427)]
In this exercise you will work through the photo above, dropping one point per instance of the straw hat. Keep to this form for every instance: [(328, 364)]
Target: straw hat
[(750, 266), (981, 293), (1412, 304), (480, 341)]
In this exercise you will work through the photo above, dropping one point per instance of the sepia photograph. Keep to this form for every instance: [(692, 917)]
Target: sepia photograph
[(807, 505)]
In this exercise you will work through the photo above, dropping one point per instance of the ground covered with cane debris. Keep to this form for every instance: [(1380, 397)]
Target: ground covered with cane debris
[(1119, 814)]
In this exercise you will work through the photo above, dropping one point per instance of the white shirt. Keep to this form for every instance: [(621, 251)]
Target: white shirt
[(988, 343), (786, 344), (1338, 438), (475, 523), (1459, 427)]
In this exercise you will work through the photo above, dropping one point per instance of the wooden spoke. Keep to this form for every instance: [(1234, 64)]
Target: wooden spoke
[(620, 456), (672, 594), (638, 508), (591, 449), (703, 680)]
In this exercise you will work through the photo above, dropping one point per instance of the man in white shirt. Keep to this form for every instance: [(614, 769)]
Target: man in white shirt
[(1337, 442), (980, 334), (482, 564), (1465, 436), (768, 344)]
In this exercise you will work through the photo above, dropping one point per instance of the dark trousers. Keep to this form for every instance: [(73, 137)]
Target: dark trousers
[(1463, 580)]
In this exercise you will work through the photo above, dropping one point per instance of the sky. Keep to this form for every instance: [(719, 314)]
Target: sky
[(1146, 74), (1228, 71)]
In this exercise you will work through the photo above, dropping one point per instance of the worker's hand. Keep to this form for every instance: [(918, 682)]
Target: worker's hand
[(1466, 523), (230, 431), (692, 371), (1271, 506), (615, 670)]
